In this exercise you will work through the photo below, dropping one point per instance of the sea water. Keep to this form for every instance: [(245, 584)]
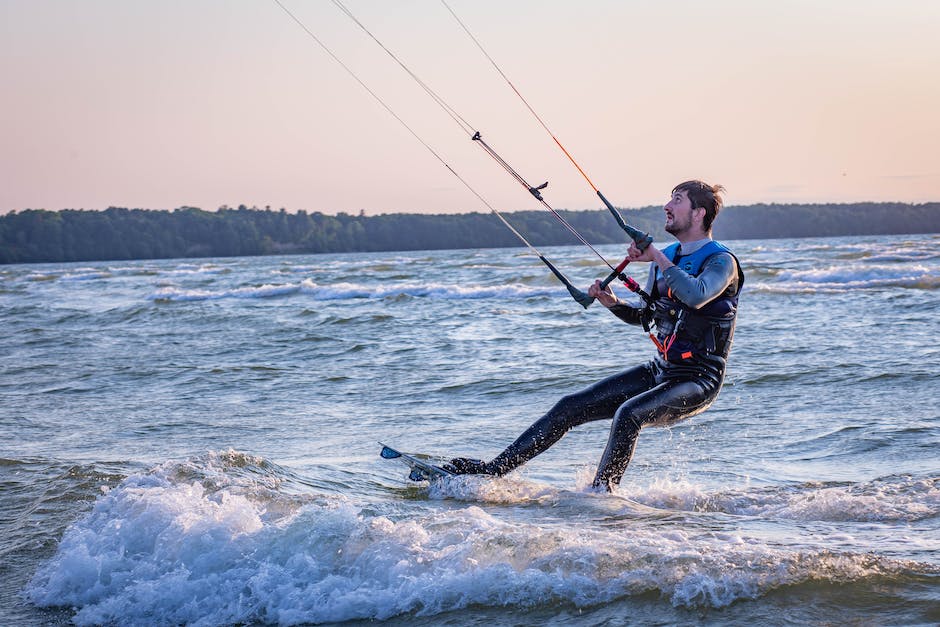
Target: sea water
[(196, 442)]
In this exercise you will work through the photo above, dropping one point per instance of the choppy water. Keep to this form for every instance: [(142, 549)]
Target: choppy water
[(195, 442)]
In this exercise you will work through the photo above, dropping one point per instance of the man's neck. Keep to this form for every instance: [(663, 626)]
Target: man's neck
[(687, 248), (688, 237)]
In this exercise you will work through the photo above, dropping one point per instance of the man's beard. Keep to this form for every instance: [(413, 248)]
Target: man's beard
[(678, 227)]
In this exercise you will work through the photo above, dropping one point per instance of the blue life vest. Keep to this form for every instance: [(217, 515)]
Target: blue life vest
[(693, 262)]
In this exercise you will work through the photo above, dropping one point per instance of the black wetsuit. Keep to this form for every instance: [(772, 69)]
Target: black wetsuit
[(680, 383)]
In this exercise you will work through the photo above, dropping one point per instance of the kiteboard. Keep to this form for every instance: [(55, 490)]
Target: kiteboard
[(421, 468)]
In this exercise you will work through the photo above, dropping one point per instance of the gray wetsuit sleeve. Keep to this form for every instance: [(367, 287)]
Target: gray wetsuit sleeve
[(717, 274)]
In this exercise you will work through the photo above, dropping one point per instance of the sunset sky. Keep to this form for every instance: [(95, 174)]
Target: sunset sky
[(160, 104)]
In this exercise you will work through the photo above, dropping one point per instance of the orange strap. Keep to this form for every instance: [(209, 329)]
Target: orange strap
[(663, 347)]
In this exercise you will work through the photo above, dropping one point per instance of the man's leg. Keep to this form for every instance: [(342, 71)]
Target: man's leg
[(665, 404), (596, 402)]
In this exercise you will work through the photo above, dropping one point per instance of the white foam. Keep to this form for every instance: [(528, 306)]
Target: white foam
[(192, 269), (216, 543), (899, 499), (505, 491), (421, 290), (261, 291), (39, 276), (853, 275), (85, 274), (843, 278), (346, 291)]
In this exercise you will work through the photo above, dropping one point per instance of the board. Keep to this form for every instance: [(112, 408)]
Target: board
[(421, 469)]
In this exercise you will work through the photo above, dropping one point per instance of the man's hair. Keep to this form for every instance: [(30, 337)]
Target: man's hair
[(701, 194)]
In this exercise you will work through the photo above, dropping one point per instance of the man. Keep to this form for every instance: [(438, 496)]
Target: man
[(694, 286)]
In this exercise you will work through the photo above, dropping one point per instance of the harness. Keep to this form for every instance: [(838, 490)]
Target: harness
[(684, 332)]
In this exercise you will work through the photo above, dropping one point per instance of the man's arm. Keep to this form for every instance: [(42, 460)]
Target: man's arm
[(717, 274), (628, 313)]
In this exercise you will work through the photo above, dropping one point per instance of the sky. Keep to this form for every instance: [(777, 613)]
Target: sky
[(205, 103)]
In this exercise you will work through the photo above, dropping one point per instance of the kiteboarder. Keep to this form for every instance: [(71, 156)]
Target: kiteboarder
[(693, 290), (691, 298)]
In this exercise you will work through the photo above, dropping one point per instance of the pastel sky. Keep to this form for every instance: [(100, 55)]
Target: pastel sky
[(160, 104)]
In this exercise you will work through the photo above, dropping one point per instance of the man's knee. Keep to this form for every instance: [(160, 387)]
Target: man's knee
[(628, 422), (568, 406)]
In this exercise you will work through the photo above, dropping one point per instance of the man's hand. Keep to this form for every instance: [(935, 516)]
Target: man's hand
[(603, 294), (650, 253), (647, 254)]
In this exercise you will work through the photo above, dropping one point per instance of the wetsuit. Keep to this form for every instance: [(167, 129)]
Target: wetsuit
[(695, 304)]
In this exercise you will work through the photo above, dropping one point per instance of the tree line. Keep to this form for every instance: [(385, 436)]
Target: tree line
[(39, 235)]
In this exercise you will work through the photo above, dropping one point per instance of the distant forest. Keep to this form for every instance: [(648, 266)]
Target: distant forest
[(37, 235)]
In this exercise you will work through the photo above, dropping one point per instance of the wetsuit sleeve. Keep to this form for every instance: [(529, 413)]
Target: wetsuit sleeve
[(627, 313), (717, 274), (632, 314), (651, 279)]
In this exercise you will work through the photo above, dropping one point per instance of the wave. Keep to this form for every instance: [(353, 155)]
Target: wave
[(347, 291), (843, 275), (169, 294), (843, 279), (905, 256), (190, 269), (894, 499), (36, 277), (89, 274), (227, 538)]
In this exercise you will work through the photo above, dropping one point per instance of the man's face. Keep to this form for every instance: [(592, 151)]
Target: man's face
[(678, 213)]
